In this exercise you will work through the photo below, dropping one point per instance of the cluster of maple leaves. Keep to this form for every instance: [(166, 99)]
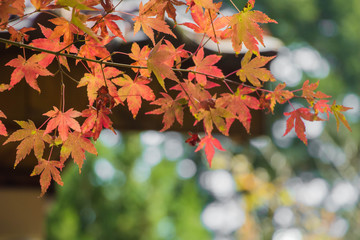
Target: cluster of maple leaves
[(109, 87)]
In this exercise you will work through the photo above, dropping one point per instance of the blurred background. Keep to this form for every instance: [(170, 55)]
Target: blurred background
[(151, 185)]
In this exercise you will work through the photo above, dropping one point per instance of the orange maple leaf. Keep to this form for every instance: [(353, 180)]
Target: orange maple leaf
[(64, 28), (47, 170), (207, 22), (19, 35), (30, 69), (170, 108), (209, 142), (107, 21), (76, 145), (244, 28), (10, 7), (254, 70), (2, 126), (308, 92), (160, 62), (239, 104), (31, 139), (279, 95), (140, 56), (204, 65), (62, 121), (159, 7), (295, 120), (211, 112), (95, 80), (95, 121), (336, 110), (133, 91), (148, 24)]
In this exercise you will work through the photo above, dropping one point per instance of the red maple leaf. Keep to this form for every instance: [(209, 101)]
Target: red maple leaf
[(159, 7), (31, 139), (2, 126), (95, 121), (47, 170), (53, 45), (193, 139), (322, 106), (133, 91), (30, 69), (204, 65), (295, 120), (170, 108), (309, 92), (244, 28), (149, 23), (209, 142), (254, 70), (76, 145), (63, 121), (336, 110), (239, 104)]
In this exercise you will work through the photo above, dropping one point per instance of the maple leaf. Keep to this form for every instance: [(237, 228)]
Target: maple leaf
[(211, 112), (336, 110), (194, 94), (244, 28), (19, 35), (159, 7), (160, 61), (207, 22), (95, 121), (64, 28), (193, 139), (209, 142), (31, 139), (239, 104), (148, 24), (140, 56), (76, 145), (254, 70), (322, 106), (2, 126), (295, 120), (204, 65), (53, 45), (47, 170), (30, 69), (170, 108), (133, 91), (62, 121), (10, 7), (308, 92), (107, 21), (40, 4), (279, 95), (92, 49), (95, 80), (208, 4)]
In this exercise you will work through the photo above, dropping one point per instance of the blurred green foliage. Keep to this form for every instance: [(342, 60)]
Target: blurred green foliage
[(109, 201)]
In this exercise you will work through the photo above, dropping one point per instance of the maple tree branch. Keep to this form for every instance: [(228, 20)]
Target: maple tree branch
[(18, 44)]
